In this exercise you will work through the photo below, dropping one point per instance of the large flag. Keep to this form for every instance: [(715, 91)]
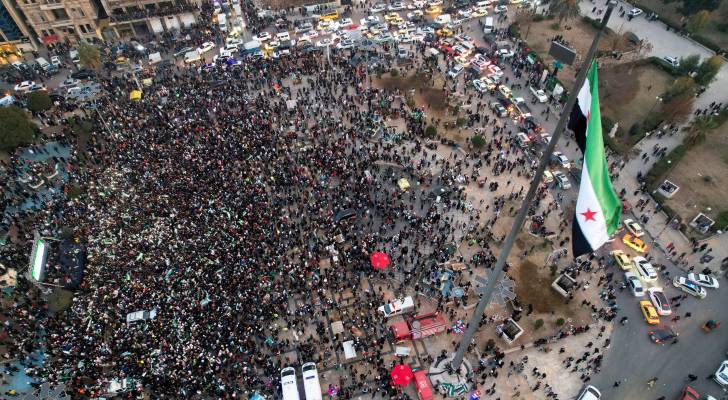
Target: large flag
[(597, 208)]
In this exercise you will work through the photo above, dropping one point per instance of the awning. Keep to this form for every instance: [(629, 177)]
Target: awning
[(401, 375), (156, 25), (422, 382), (187, 20), (349, 350)]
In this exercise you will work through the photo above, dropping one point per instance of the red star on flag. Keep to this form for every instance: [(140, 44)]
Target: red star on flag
[(589, 215)]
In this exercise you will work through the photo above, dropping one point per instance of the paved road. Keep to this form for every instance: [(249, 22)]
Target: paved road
[(664, 43)]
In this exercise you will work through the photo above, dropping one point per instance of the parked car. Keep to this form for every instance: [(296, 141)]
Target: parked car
[(663, 334), (455, 71), (499, 109), (24, 86), (377, 8), (539, 94), (559, 158), (673, 61), (649, 312), (500, 9), (634, 12), (634, 284), (205, 47), (704, 280), (562, 180), (622, 259), (689, 287), (721, 375), (659, 300), (645, 269), (634, 228), (634, 243)]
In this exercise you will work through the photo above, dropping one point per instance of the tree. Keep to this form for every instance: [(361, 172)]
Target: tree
[(15, 128), (537, 324), (679, 108), (699, 128), (683, 84), (564, 10), (688, 64), (431, 131), (707, 70), (698, 21), (691, 7), (89, 55), (39, 101), (617, 41), (478, 141)]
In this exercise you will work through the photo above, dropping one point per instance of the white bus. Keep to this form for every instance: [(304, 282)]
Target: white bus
[(311, 385), (289, 385)]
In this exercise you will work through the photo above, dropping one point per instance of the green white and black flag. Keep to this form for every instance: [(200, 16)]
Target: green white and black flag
[(597, 208)]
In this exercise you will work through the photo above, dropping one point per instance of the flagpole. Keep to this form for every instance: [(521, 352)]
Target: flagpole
[(495, 276)]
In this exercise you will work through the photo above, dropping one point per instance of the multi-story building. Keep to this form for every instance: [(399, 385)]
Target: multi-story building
[(141, 18), (15, 36), (62, 20)]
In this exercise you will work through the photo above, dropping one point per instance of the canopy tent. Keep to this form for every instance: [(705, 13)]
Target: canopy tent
[(403, 184), (401, 375), (379, 260)]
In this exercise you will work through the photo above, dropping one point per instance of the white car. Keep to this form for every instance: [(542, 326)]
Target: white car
[(634, 12), (24, 86), (539, 94), (416, 5), (377, 8), (283, 36), (480, 85), (466, 12), (434, 3), (500, 9), (56, 61), (324, 43), (545, 138), (69, 82), (345, 22), (659, 300), (345, 44), (689, 287), (233, 42), (455, 71), (721, 375), (397, 307), (645, 269), (673, 61), (704, 280), (263, 36), (205, 47), (396, 6), (634, 284), (634, 228), (141, 316), (562, 180), (370, 20), (561, 159)]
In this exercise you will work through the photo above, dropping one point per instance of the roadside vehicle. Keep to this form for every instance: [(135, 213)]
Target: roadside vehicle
[(69, 82), (721, 375), (455, 71), (523, 139), (396, 6), (704, 280), (621, 259), (311, 384), (263, 36), (377, 8), (480, 85), (659, 300), (418, 327), (500, 9), (645, 269), (205, 47), (505, 91), (562, 180), (24, 86), (82, 74), (330, 16), (673, 61), (289, 384), (689, 287), (548, 177), (649, 312), (499, 109), (545, 138), (662, 334), (480, 12), (432, 10), (488, 26), (634, 228), (634, 243), (634, 284), (589, 393), (397, 307), (634, 12), (539, 94), (560, 159)]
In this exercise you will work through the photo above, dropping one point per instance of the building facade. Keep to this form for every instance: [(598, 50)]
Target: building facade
[(15, 36), (145, 18), (62, 20)]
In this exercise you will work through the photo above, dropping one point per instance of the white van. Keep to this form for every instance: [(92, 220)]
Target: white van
[(488, 26), (289, 386), (311, 384), (42, 63), (443, 19), (398, 307), (222, 22), (589, 393)]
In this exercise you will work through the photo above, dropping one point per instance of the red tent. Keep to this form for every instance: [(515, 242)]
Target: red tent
[(379, 260), (401, 375)]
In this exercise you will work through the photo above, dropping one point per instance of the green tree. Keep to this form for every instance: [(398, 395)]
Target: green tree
[(431, 131), (89, 55), (698, 21), (690, 7), (699, 129), (478, 141), (564, 10), (679, 108), (537, 324), (707, 70), (15, 128), (681, 85), (688, 64), (39, 101), (560, 322)]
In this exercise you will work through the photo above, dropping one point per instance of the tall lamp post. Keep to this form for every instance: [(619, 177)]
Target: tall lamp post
[(495, 276)]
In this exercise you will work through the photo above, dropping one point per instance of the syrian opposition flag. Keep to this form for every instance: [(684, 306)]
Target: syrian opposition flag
[(598, 208)]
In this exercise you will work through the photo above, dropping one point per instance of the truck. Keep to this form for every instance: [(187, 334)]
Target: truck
[(222, 22), (251, 47), (418, 327)]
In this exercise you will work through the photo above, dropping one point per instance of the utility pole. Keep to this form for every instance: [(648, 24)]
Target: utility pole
[(495, 276)]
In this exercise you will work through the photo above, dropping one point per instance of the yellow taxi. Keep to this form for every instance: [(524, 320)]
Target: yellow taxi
[(548, 177), (634, 243), (649, 312), (622, 259), (480, 12), (462, 60), (391, 16), (396, 21), (444, 32), (329, 16), (433, 10), (121, 60)]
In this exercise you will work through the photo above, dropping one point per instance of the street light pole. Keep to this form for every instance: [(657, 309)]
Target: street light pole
[(495, 276)]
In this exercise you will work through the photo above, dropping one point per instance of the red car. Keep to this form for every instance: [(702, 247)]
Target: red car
[(689, 393)]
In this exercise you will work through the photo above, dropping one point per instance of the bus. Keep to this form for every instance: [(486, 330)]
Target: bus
[(289, 385), (311, 385)]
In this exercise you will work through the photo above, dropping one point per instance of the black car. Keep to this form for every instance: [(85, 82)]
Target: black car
[(82, 74), (662, 334)]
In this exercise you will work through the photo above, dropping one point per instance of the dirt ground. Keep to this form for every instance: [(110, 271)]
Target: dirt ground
[(628, 94), (577, 33), (703, 178)]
